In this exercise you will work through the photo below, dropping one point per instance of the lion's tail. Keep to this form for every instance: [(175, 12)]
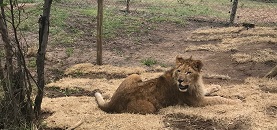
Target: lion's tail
[(101, 102)]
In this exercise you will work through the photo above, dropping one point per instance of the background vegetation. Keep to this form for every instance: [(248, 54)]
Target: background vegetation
[(73, 29)]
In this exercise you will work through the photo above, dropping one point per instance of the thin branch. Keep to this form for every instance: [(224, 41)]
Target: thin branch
[(272, 73), (76, 125)]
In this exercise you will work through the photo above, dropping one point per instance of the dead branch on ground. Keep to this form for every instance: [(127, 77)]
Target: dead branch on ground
[(272, 73)]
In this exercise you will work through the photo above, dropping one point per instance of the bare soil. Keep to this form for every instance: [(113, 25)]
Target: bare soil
[(69, 94)]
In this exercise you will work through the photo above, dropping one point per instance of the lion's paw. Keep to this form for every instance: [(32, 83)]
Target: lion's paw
[(212, 89)]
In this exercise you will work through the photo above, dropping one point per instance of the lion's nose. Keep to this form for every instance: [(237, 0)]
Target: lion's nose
[(180, 80)]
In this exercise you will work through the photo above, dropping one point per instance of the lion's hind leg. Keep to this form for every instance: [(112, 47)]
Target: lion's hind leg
[(141, 107), (130, 81)]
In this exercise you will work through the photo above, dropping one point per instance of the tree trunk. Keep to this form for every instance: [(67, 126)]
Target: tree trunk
[(7, 46), (11, 109), (234, 11), (17, 111), (43, 40)]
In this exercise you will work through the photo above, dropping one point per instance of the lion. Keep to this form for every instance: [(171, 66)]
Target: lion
[(180, 85)]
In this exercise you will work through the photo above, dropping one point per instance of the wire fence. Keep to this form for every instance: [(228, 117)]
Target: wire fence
[(250, 11)]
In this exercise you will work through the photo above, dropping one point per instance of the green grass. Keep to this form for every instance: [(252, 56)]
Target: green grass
[(1, 93), (69, 51), (88, 11), (257, 4), (156, 11), (27, 1), (2, 53), (66, 91), (147, 17), (29, 17), (188, 10), (59, 16), (114, 22), (117, 23), (58, 26), (32, 62), (149, 62)]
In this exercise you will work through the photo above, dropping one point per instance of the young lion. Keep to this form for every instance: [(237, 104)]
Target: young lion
[(182, 84)]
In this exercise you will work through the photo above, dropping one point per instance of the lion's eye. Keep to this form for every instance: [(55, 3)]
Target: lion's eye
[(178, 70)]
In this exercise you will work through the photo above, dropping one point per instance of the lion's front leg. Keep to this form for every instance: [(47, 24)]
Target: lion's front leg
[(214, 100), (212, 89)]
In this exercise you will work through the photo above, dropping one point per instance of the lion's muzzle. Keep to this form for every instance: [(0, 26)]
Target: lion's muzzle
[(183, 88)]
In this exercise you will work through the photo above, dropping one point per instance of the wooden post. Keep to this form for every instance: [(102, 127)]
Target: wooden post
[(128, 6), (99, 31), (234, 11)]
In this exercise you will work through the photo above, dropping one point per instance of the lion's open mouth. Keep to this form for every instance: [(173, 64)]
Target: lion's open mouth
[(183, 88)]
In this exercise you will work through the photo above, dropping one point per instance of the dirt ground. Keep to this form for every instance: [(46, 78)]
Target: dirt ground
[(234, 57)]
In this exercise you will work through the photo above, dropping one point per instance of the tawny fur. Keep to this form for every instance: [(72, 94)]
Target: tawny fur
[(180, 85)]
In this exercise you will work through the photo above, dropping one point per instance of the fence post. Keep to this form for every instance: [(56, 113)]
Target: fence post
[(99, 31), (128, 6), (233, 12)]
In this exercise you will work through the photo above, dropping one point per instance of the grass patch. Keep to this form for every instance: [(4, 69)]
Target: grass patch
[(28, 17), (1, 92), (59, 16), (152, 13), (119, 23), (58, 26), (2, 53), (88, 11), (64, 33), (66, 91), (116, 23), (27, 1), (69, 51), (145, 16), (32, 62), (181, 11), (149, 62), (257, 4)]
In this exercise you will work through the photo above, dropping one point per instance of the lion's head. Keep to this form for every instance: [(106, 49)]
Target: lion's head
[(187, 73)]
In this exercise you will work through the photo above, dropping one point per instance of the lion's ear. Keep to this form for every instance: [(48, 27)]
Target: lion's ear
[(179, 60), (197, 65)]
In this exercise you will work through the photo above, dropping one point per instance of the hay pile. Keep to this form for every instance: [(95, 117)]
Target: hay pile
[(233, 39), (258, 110), (259, 95)]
